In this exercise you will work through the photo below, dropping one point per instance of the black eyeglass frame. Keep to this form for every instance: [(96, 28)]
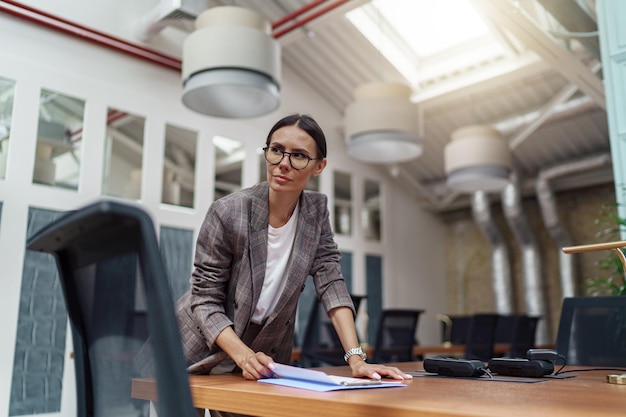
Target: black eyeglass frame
[(265, 149)]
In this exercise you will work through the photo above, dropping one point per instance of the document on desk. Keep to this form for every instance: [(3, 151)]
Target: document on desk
[(310, 379)]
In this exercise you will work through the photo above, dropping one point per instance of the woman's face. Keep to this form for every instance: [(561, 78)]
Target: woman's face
[(282, 177)]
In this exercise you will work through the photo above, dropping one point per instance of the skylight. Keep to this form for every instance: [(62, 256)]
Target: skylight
[(427, 39)]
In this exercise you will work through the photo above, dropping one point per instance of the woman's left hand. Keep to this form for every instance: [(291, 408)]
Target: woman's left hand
[(360, 368)]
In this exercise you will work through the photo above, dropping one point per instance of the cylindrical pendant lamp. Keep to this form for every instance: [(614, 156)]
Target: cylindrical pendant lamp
[(382, 124), (477, 159), (231, 64)]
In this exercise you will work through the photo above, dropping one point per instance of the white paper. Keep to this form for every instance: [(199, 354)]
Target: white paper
[(310, 379)]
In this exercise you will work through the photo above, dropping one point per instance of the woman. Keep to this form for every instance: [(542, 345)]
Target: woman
[(254, 252)]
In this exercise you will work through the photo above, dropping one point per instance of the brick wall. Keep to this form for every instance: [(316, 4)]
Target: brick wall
[(468, 270)]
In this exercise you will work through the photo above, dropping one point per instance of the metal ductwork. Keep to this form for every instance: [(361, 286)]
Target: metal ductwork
[(549, 212), (578, 20), (180, 14), (500, 264), (534, 296)]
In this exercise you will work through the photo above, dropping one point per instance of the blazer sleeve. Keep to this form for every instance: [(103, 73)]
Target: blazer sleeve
[(326, 270), (212, 271)]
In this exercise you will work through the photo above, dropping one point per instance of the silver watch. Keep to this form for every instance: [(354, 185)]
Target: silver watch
[(355, 351)]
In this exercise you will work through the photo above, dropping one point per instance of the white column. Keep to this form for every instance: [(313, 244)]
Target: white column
[(612, 32)]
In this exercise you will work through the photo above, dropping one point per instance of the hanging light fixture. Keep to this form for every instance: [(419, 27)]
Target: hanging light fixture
[(477, 159), (382, 124), (231, 64)]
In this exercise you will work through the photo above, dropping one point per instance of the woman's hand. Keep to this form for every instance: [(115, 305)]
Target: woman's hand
[(256, 366), (360, 368)]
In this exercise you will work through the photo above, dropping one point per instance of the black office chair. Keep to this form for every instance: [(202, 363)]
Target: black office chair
[(117, 295), (592, 331), (395, 337), (321, 345), (455, 328), (518, 330), (524, 336), (481, 336)]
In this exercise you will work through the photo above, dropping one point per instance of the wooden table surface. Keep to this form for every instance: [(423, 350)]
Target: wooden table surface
[(433, 350), (588, 394)]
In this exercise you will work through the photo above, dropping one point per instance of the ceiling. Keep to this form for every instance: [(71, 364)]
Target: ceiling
[(545, 94)]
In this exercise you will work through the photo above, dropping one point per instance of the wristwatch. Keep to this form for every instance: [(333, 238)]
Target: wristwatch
[(355, 351)]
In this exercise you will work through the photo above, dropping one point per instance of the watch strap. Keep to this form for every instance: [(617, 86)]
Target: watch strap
[(355, 351)]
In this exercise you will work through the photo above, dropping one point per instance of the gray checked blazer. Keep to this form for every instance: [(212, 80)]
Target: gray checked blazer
[(229, 270)]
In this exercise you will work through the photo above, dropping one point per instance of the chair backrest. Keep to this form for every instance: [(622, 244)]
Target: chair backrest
[(395, 337), (117, 296), (518, 330), (456, 330), (592, 331), (321, 345), (524, 336), (505, 328), (481, 336)]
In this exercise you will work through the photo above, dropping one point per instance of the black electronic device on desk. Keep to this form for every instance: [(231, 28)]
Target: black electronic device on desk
[(521, 367), (454, 367), (549, 355)]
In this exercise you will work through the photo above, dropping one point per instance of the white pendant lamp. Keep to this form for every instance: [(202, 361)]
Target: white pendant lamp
[(231, 64), (382, 124), (477, 159)]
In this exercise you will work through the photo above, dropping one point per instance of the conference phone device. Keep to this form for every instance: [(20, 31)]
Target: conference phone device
[(454, 367), (521, 367), (540, 362)]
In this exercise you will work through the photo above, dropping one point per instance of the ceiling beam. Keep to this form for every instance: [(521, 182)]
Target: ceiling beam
[(515, 20), (546, 111), (501, 73)]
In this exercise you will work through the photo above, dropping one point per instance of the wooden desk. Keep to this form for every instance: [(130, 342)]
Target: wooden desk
[(454, 350), (586, 395), (421, 350)]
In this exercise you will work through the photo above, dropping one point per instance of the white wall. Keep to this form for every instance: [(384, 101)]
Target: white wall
[(415, 272), (413, 246)]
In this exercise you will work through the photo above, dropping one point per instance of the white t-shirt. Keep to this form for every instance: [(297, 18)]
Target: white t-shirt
[(279, 245)]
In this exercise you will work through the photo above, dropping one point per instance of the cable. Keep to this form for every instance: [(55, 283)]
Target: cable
[(486, 372), (608, 368), (559, 356)]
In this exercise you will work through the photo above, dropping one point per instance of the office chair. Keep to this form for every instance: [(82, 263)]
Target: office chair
[(524, 335), (321, 345), (592, 331), (481, 336), (395, 337), (518, 330), (117, 295), (455, 329)]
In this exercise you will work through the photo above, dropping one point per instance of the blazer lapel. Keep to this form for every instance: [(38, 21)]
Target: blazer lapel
[(259, 214)]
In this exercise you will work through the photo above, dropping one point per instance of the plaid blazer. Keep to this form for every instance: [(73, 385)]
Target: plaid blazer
[(229, 269)]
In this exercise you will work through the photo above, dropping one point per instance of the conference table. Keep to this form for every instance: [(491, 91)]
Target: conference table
[(586, 394), (435, 350)]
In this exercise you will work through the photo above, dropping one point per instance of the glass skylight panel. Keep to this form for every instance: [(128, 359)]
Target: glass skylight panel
[(425, 38), (433, 26)]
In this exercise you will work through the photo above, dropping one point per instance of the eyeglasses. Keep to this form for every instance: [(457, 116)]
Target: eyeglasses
[(298, 160)]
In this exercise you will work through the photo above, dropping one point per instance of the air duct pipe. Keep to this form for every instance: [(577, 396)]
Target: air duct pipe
[(500, 265), (534, 297), (74, 29), (547, 203)]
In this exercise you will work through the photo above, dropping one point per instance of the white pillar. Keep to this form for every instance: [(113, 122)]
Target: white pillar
[(611, 18)]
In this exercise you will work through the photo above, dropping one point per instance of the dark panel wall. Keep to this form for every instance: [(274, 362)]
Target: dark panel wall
[(177, 249), (374, 282), (41, 331)]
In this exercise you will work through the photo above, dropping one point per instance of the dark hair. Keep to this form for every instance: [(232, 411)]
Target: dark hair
[(306, 123)]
